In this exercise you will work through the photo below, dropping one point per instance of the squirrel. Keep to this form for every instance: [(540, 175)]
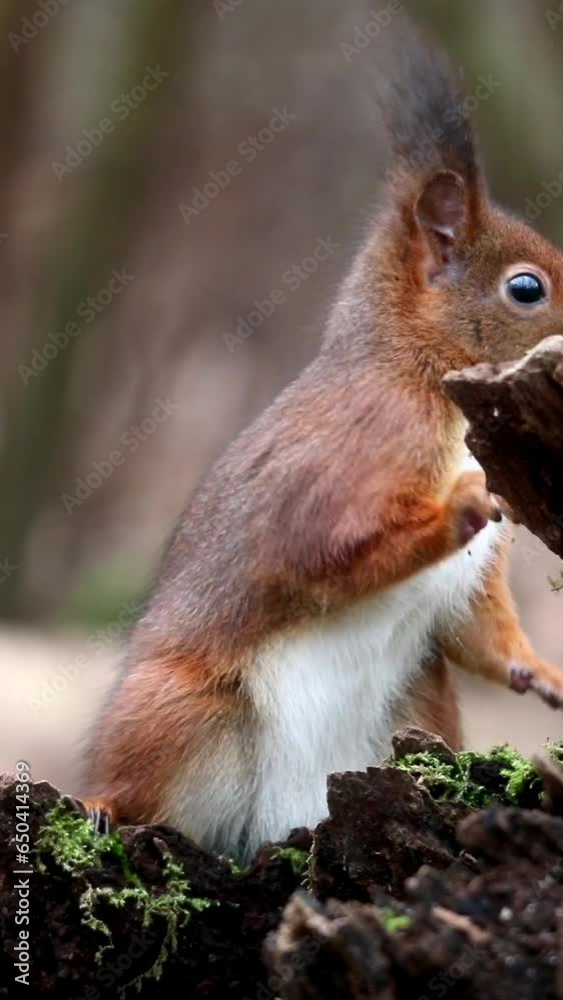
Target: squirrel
[(345, 552)]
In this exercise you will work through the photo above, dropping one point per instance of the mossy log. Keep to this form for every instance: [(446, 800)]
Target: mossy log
[(408, 879)]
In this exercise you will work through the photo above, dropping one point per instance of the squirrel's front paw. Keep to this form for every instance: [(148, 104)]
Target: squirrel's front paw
[(471, 507), (545, 680)]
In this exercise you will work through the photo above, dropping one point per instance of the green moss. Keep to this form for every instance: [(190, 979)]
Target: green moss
[(298, 859), (521, 775), (556, 751), (175, 905), (236, 869), (74, 843), (79, 849), (503, 775), (394, 922)]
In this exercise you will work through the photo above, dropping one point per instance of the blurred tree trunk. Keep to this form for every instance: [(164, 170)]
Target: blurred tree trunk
[(88, 241), (229, 70)]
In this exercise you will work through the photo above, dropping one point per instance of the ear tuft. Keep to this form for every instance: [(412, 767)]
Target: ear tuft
[(442, 212)]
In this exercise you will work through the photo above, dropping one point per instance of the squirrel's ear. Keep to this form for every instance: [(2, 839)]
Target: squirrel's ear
[(442, 214)]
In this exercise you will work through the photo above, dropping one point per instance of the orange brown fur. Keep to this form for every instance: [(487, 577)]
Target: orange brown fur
[(179, 695), (348, 486), (433, 703), (491, 642)]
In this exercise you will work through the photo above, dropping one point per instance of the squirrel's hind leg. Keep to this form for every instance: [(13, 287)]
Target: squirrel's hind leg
[(493, 645), (432, 703)]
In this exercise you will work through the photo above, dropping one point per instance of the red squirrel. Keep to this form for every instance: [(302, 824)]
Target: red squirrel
[(345, 550)]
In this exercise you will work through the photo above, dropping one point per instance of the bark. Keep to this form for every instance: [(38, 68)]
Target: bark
[(515, 414), (424, 890)]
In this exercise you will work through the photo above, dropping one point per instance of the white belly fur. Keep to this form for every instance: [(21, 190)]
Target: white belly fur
[(324, 699), (325, 696)]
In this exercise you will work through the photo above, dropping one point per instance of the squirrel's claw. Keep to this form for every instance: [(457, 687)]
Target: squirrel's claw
[(100, 817)]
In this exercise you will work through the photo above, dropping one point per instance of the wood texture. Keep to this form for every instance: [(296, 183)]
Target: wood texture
[(515, 414)]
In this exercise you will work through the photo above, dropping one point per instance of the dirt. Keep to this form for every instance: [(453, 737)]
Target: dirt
[(406, 890)]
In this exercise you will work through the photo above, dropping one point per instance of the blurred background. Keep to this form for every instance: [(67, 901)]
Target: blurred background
[(147, 211)]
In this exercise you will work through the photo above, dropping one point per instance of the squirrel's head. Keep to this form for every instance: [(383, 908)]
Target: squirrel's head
[(492, 284), (480, 285)]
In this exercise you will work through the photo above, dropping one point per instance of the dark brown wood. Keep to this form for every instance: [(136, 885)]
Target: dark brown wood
[(515, 414)]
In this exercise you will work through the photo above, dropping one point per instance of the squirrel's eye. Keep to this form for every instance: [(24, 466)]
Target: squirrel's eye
[(526, 289)]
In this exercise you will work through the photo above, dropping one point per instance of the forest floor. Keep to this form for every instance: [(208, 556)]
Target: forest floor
[(433, 875)]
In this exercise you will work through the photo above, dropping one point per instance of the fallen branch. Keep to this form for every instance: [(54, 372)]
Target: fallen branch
[(515, 414)]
